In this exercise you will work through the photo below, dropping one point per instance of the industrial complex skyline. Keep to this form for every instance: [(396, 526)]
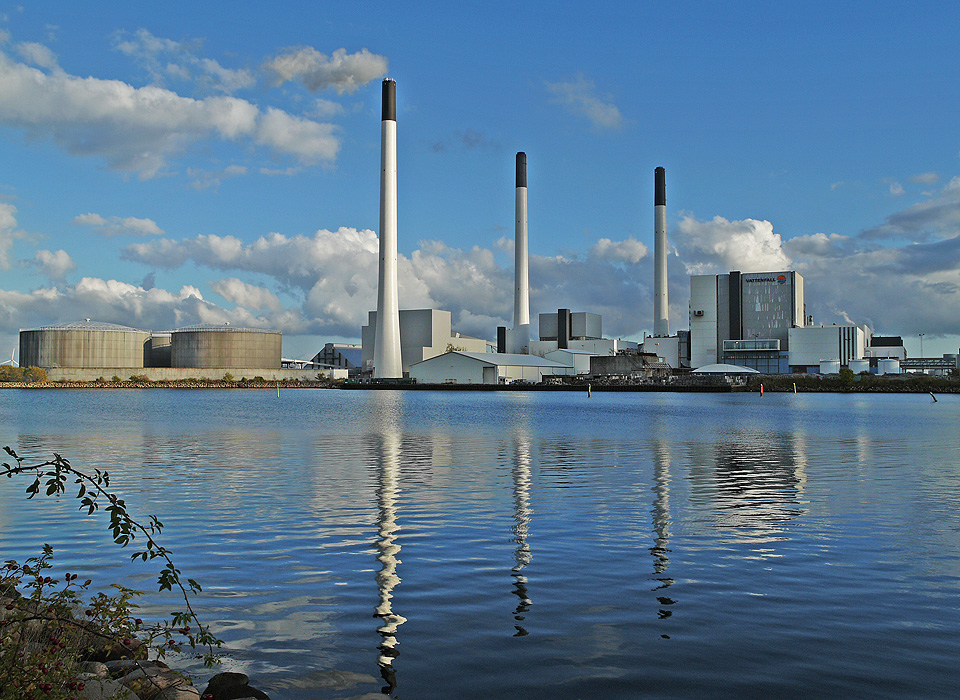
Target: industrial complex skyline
[(170, 166)]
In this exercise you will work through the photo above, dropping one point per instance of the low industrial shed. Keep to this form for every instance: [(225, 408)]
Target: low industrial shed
[(484, 368), (578, 359)]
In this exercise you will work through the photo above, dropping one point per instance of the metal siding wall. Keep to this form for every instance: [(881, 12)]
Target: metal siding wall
[(735, 308)]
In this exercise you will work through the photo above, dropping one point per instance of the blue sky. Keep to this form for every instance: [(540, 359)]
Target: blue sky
[(163, 165)]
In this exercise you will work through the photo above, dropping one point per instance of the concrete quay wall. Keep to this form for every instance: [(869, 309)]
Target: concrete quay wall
[(76, 374)]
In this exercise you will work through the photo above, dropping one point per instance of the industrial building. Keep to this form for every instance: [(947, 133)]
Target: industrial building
[(485, 368), (813, 345), (348, 356), (566, 330), (424, 333), (578, 359), (744, 318)]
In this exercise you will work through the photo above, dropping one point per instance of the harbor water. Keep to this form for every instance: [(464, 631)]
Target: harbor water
[(527, 545)]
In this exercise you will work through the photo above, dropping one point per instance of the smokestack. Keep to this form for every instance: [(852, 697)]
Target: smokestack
[(386, 350), (521, 291), (661, 315)]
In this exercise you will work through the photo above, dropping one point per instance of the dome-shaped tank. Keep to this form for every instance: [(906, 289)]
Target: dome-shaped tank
[(225, 346), (85, 344)]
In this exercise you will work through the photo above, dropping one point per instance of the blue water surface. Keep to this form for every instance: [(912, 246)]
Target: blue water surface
[(528, 545)]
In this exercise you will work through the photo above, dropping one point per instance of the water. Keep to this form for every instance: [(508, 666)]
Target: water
[(523, 545)]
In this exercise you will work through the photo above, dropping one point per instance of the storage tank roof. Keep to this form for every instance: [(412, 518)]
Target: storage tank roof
[(88, 325), (222, 329)]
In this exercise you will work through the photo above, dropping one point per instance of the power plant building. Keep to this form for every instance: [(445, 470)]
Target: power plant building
[(424, 333), (813, 345), (744, 319), (485, 368), (579, 330)]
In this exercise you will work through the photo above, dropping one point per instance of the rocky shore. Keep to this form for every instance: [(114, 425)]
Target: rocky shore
[(178, 384)]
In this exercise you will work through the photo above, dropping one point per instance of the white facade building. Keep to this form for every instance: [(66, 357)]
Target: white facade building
[(424, 333), (748, 306), (666, 348), (811, 346), (578, 359), (485, 368)]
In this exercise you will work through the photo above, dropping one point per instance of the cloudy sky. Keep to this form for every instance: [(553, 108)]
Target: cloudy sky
[(169, 164)]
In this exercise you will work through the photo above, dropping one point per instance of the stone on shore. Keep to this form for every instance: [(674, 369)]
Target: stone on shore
[(232, 686)]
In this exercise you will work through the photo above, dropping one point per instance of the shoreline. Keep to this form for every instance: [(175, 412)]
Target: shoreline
[(770, 383)]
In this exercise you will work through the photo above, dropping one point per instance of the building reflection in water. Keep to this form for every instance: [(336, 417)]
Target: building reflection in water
[(751, 485), (522, 513), (386, 416), (661, 526), (759, 480)]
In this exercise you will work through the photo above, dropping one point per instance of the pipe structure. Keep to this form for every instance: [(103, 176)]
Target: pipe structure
[(661, 313), (521, 291), (386, 350)]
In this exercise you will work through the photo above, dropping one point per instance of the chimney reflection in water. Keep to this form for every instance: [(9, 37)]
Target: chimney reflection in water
[(661, 525), (521, 527), (387, 547)]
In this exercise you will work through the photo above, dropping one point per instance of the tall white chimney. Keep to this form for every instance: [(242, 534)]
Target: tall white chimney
[(661, 313), (521, 291), (386, 349)]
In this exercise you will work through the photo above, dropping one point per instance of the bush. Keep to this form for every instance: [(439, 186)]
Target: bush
[(34, 374), (228, 377), (115, 379), (139, 378), (9, 373), (44, 636)]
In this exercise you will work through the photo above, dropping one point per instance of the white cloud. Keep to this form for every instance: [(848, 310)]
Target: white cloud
[(139, 129), (896, 189), (54, 264), (334, 273), (325, 109), (630, 250), (341, 71), (246, 295), (38, 55), (119, 226), (935, 218), (202, 179), (925, 178), (165, 58), (719, 245), (8, 232), (310, 140), (815, 244), (579, 96)]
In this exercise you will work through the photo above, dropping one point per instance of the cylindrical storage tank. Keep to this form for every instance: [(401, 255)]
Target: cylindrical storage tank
[(858, 366), (225, 347), (85, 344), (889, 366), (159, 355), (829, 366)]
